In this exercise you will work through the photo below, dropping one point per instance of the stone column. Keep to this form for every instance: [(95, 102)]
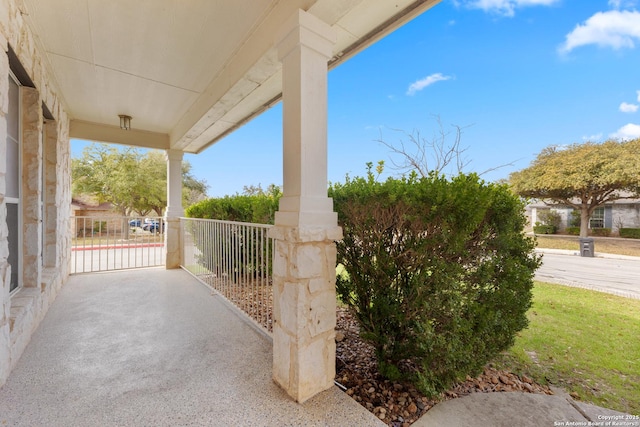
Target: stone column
[(51, 250), (174, 209), (31, 197), (305, 225)]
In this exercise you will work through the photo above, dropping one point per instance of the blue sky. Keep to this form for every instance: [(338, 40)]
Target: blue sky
[(517, 75)]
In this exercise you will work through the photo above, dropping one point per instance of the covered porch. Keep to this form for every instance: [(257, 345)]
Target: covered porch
[(155, 347), (165, 75)]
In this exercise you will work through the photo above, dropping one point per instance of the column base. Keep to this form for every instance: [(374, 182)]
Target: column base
[(304, 305), (172, 243)]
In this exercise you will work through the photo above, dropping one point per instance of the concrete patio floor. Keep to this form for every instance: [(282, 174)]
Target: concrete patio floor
[(154, 347)]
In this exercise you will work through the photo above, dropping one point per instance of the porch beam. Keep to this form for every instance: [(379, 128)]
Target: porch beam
[(305, 224), (113, 134)]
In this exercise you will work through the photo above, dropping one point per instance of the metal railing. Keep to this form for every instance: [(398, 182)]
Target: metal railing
[(116, 243), (234, 259)]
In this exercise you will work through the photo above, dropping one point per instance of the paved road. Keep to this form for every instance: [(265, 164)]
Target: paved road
[(616, 276)]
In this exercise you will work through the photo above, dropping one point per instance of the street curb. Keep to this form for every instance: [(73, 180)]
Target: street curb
[(569, 252)]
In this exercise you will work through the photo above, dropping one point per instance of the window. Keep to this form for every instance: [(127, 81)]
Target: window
[(12, 196), (597, 218)]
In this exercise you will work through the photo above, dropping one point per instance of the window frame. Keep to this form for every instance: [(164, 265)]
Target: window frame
[(597, 216), (17, 200)]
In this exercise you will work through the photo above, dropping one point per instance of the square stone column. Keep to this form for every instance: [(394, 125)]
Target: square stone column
[(304, 299), (174, 209), (31, 196)]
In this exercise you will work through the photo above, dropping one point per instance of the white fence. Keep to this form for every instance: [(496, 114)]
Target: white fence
[(116, 243), (234, 259)]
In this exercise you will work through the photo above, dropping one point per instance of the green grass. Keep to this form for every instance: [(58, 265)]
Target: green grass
[(111, 240), (584, 341)]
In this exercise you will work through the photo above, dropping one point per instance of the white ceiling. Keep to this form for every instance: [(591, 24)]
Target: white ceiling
[(187, 71)]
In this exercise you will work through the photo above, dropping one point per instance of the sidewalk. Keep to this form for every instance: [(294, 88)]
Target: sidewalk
[(522, 410)]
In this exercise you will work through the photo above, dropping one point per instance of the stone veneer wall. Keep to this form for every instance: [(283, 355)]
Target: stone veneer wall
[(45, 149)]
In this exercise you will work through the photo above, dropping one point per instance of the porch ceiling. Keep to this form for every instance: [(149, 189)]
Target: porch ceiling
[(190, 72)]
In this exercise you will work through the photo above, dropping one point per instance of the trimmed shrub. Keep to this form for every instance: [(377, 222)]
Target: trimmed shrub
[(550, 218), (604, 232), (259, 209), (544, 229), (574, 231), (630, 233), (438, 272)]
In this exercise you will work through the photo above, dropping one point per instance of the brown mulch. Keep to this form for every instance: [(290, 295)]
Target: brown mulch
[(400, 404)]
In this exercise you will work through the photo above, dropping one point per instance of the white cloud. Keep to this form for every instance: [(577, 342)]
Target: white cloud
[(628, 131), (429, 80), (504, 7), (622, 4), (616, 29), (638, 93), (628, 108), (593, 138)]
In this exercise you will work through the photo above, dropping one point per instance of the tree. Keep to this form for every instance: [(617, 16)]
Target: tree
[(584, 176), (108, 174), (130, 180), (442, 154)]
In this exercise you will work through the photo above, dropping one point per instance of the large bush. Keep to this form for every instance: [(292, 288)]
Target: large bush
[(438, 272)]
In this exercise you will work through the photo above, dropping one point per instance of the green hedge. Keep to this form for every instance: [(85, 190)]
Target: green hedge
[(604, 232), (574, 231), (631, 233), (438, 272), (258, 209), (544, 229)]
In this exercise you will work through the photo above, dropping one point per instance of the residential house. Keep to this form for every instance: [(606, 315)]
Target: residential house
[(623, 213)]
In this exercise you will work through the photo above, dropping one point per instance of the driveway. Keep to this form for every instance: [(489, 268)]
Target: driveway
[(615, 276)]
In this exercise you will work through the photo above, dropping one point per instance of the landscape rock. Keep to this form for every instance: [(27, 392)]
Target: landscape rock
[(400, 404)]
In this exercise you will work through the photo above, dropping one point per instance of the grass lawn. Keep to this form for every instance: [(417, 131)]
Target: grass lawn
[(584, 341), (134, 238), (605, 245)]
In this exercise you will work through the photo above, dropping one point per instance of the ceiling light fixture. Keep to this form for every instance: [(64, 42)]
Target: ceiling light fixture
[(125, 121)]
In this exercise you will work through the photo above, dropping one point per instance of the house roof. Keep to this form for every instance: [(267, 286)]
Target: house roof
[(87, 205), (187, 72)]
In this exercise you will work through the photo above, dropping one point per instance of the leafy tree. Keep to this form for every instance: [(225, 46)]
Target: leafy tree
[(584, 176), (130, 180), (108, 174)]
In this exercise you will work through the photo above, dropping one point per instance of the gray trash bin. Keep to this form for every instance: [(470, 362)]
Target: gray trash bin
[(587, 246)]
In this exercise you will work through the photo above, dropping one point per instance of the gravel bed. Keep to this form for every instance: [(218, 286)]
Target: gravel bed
[(400, 404)]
